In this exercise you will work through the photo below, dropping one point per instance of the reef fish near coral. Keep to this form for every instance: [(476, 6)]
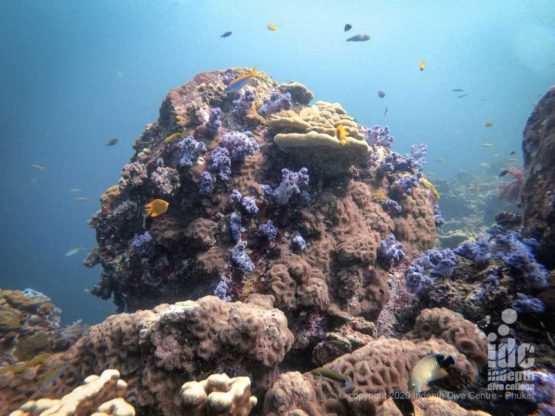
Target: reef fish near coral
[(332, 375), (156, 207), (428, 369), (241, 81), (74, 251), (361, 37)]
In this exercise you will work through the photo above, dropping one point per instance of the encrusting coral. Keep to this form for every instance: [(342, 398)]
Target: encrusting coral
[(218, 395), (98, 396)]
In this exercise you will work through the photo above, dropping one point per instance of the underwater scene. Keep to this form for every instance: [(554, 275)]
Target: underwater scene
[(278, 208)]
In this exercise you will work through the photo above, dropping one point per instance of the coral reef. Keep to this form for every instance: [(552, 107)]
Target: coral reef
[(101, 395), (157, 351), (376, 369), (538, 193), (218, 395)]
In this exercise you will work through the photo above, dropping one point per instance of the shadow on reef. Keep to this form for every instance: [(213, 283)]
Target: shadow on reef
[(286, 243)]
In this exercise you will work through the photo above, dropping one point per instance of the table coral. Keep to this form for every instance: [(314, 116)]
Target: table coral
[(218, 395)]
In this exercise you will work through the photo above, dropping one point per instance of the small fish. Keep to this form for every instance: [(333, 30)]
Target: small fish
[(272, 27), (381, 94), (75, 190), (341, 134), (74, 251), (332, 375), (428, 369), (385, 111), (361, 37), (347, 27), (457, 90), (241, 81), (512, 160), (81, 198), (38, 167), (156, 207), (512, 153), (422, 65), (403, 402), (442, 160), (226, 34), (488, 124), (462, 95), (485, 165), (487, 144), (111, 142)]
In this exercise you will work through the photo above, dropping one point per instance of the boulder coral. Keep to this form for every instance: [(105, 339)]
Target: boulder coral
[(158, 350)]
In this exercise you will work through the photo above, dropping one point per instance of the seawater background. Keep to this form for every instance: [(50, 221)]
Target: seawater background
[(77, 73)]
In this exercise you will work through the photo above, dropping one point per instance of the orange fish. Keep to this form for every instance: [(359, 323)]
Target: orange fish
[(156, 207), (422, 65)]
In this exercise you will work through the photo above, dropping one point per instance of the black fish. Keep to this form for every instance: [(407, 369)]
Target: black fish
[(361, 37), (111, 142), (512, 153), (503, 172), (457, 90), (462, 95), (381, 94), (347, 27), (403, 402), (226, 34)]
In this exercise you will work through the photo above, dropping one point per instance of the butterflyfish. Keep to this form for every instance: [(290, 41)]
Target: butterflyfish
[(272, 27), (422, 65), (242, 80), (156, 207), (428, 369), (361, 37), (341, 134)]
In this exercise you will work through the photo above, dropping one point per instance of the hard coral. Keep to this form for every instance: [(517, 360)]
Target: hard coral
[(218, 395)]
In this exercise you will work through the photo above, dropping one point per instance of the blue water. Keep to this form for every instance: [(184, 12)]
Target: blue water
[(74, 74)]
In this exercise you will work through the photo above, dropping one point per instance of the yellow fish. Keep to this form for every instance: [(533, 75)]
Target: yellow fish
[(427, 184), (242, 80), (428, 369), (37, 166), (488, 124), (422, 65), (272, 27), (341, 134), (156, 207)]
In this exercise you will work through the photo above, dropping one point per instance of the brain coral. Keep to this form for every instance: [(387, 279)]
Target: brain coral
[(157, 351), (381, 366)]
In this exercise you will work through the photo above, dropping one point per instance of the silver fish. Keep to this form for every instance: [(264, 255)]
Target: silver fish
[(74, 251)]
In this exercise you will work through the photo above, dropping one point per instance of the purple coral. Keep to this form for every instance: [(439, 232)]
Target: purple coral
[(289, 186), (166, 180), (249, 205), (390, 251), (379, 136), (143, 244), (133, 175), (206, 184), (215, 120), (191, 150), (239, 145), (416, 155), (527, 304), (220, 163), (438, 218), (430, 265), (405, 185), (222, 291), (394, 162), (243, 102), (236, 196), (516, 253), (392, 207), (267, 230), (235, 226), (240, 258), (277, 102), (478, 252), (298, 243)]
